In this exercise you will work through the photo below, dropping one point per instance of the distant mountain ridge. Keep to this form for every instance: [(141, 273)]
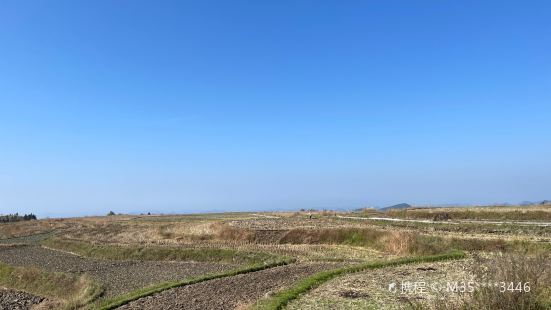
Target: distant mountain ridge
[(524, 203), (530, 203), (398, 206)]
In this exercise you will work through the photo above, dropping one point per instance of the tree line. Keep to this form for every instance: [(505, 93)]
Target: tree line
[(16, 217)]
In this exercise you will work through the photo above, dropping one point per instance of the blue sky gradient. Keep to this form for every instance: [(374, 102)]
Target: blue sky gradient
[(188, 106)]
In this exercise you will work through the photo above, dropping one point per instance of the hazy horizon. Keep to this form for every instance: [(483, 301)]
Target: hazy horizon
[(176, 210), (137, 106)]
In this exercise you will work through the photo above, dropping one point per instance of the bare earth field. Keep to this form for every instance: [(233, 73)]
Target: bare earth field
[(230, 292), (117, 277), (16, 300), (292, 260)]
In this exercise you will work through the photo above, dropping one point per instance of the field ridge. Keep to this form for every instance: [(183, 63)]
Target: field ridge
[(118, 301), (282, 298)]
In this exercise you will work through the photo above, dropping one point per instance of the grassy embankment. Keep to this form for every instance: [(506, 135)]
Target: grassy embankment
[(468, 228), (504, 213), (405, 243), (279, 300), (158, 253), (64, 290)]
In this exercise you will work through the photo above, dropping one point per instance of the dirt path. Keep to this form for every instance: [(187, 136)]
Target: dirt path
[(116, 276), (230, 292)]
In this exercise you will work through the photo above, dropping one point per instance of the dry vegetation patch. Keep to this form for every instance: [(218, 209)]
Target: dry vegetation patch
[(26, 228), (282, 298), (504, 213), (159, 253), (398, 242), (431, 285), (523, 282), (64, 290), (369, 289)]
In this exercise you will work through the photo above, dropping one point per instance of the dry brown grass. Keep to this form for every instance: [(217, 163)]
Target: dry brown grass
[(398, 243), (161, 232), (510, 267), (25, 228), (138, 232), (64, 290), (391, 242), (515, 268), (182, 230), (395, 242), (513, 213), (230, 233)]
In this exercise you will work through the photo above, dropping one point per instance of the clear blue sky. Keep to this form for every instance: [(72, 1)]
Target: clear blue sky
[(239, 105)]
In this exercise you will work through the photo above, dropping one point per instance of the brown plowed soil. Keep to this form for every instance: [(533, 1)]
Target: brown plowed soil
[(16, 300), (230, 292), (116, 276)]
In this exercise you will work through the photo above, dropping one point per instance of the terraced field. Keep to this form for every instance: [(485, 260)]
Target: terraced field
[(302, 260), (230, 292), (116, 276)]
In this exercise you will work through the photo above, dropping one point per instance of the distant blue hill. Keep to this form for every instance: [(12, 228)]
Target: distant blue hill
[(530, 203), (398, 206)]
